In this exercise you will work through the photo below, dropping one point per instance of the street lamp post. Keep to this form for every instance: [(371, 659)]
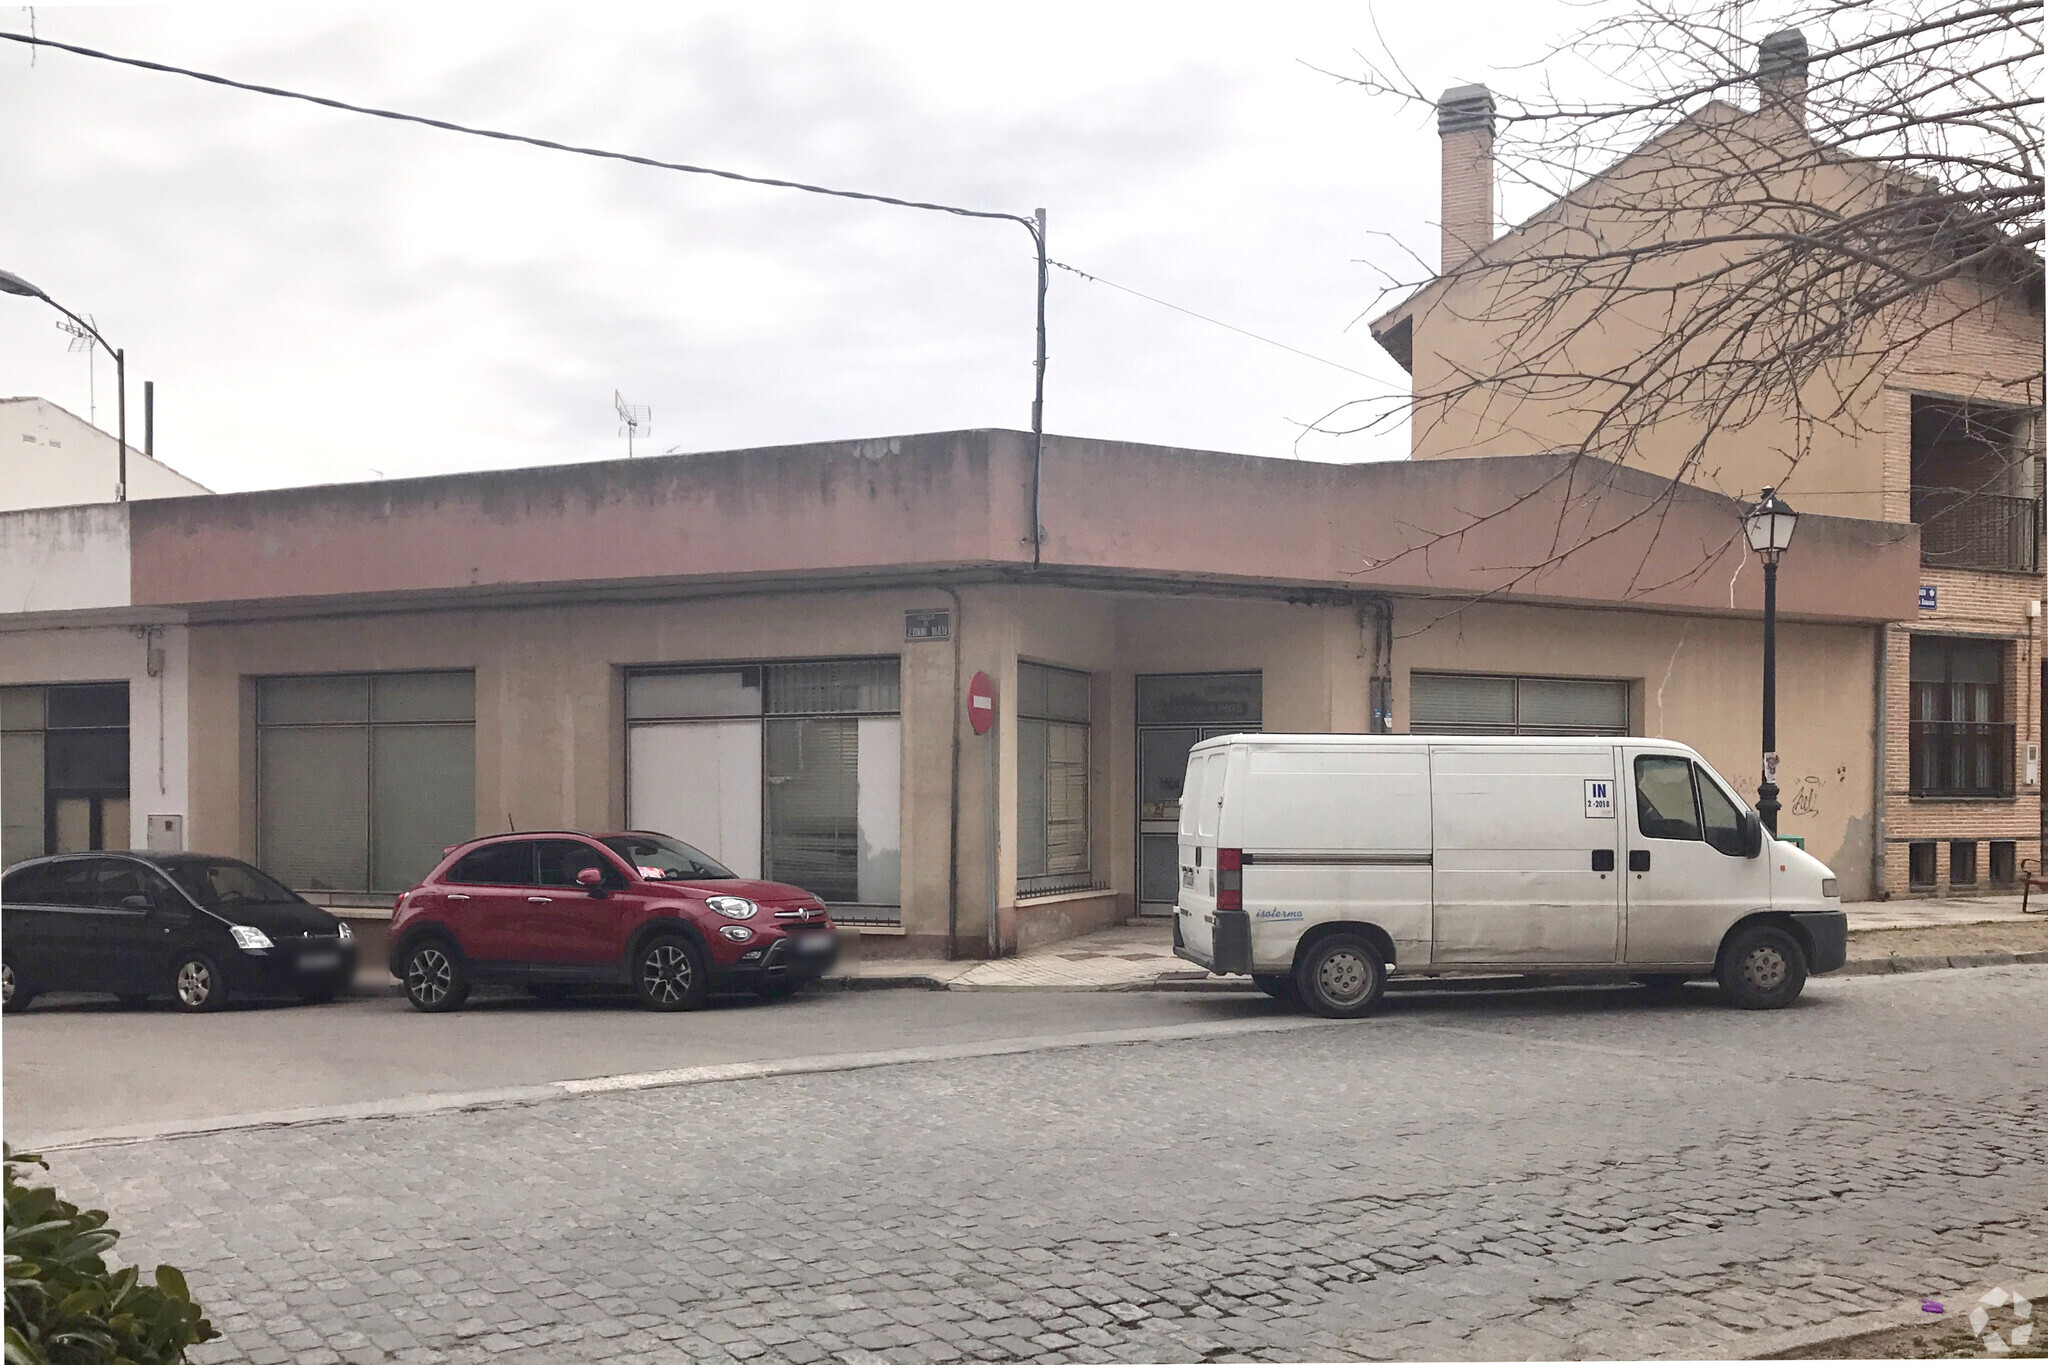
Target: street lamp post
[(11, 283), (1768, 526)]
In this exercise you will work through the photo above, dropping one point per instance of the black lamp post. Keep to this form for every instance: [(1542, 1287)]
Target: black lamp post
[(1768, 527), (11, 283)]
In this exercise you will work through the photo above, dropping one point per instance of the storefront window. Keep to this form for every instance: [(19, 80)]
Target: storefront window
[(63, 769), (1053, 715), (790, 771), (363, 779)]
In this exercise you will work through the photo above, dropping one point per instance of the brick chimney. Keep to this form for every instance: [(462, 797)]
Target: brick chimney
[(1464, 119), (1781, 74)]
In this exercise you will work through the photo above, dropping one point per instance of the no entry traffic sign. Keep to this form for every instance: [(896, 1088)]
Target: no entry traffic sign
[(981, 703)]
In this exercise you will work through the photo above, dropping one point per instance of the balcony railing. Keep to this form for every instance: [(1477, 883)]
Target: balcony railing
[(1962, 758), (1978, 531)]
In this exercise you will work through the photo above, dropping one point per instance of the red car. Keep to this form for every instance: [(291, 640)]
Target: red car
[(554, 911)]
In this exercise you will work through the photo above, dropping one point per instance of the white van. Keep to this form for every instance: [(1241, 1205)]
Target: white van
[(1319, 863)]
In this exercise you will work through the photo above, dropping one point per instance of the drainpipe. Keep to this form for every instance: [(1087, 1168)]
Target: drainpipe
[(953, 803), (1877, 859)]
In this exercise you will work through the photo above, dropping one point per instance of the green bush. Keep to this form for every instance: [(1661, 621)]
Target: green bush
[(64, 1307)]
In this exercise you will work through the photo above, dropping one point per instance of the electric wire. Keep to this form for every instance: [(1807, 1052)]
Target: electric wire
[(446, 125), (548, 144)]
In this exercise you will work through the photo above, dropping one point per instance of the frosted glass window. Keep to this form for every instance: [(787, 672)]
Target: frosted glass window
[(1053, 845), (363, 780)]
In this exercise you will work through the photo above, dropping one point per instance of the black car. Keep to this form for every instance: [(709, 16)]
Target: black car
[(200, 929)]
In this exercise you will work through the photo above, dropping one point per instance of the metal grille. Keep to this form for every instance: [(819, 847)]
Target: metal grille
[(1978, 531)]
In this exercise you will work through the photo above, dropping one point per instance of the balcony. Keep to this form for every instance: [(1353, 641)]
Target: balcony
[(1962, 758), (1978, 531)]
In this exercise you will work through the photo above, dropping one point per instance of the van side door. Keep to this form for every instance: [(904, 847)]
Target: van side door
[(1688, 880), (1525, 855)]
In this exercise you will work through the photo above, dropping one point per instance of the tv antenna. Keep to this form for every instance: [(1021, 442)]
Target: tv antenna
[(82, 339), (634, 418)]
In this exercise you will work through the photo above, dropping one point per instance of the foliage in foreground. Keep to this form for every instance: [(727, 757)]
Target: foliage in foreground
[(65, 1307)]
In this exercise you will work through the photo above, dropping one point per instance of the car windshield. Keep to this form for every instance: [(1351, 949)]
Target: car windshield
[(658, 858), (219, 883)]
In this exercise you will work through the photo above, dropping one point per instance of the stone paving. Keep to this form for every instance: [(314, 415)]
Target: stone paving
[(1558, 1174)]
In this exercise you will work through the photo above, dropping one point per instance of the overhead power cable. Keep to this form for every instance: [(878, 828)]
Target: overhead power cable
[(446, 126), (1213, 322)]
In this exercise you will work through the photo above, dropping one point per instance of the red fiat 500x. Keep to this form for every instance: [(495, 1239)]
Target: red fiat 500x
[(554, 911)]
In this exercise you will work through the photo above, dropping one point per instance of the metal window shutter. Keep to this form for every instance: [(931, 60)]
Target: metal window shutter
[(1570, 706), (1452, 703)]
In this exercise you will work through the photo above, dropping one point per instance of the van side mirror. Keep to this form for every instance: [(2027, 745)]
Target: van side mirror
[(591, 880), (1752, 834)]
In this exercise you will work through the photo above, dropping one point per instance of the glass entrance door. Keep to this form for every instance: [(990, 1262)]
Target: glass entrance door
[(1176, 712)]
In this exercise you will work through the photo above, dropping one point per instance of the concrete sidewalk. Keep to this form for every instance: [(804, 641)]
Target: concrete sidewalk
[(1138, 955)]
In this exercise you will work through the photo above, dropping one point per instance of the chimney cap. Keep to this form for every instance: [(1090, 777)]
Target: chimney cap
[(1464, 108), (1782, 56)]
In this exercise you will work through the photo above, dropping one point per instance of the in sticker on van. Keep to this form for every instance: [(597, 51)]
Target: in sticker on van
[(1599, 798)]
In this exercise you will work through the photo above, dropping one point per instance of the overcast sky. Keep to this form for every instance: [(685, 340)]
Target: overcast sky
[(320, 296)]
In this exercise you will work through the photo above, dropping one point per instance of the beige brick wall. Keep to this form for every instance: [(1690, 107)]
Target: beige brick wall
[(1984, 605)]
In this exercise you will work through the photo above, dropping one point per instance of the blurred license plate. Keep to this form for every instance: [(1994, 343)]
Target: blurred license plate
[(319, 962), (815, 943)]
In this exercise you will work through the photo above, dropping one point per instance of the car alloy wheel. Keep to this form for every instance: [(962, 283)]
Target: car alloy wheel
[(671, 975), (197, 984), (434, 980)]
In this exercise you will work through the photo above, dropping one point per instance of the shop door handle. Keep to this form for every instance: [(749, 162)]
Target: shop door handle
[(1639, 860), (1603, 860), (540, 900)]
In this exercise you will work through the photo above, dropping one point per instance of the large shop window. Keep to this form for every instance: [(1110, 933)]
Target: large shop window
[(362, 780), (1052, 781), (1961, 742), (63, 769), (788, 771), (1488, 704)]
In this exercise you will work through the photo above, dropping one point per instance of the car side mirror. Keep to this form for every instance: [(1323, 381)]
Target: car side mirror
[(591, 880), (1752, 834), (137, 903)]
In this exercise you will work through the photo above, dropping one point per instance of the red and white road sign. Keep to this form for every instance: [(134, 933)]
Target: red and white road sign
[(981, 703)]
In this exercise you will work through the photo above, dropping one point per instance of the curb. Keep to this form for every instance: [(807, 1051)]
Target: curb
[(1790, 1345), (1178, 982)]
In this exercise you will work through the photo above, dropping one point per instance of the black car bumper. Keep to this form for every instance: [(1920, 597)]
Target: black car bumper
[(320, 969), (1828, 931), (786, 959)]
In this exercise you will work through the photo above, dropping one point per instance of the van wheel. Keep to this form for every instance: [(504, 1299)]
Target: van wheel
[(1762, 969), (1341, 977), (435, 981), (1281, 988)]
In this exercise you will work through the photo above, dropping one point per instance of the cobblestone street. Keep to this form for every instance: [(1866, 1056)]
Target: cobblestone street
[(1558, 1174)]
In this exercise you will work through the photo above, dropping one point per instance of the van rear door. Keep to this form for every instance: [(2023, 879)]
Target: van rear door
[(1201, 801), (1526, 846)]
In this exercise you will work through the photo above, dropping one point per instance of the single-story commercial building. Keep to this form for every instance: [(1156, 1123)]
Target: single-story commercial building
[(768, 653)]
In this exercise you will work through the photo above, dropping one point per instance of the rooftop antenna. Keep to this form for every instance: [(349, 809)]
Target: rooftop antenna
[(634, 418), (82, 340)]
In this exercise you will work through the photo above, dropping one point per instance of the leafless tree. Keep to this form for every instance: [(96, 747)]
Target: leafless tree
[(1737, 240)]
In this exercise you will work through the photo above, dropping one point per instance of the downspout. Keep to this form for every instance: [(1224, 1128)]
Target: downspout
[(953, 804), (1877, 849)]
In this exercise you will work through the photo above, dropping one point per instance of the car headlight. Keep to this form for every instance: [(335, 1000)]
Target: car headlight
[(249, 940), (346, 932), (733, 907), (738, 933)]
